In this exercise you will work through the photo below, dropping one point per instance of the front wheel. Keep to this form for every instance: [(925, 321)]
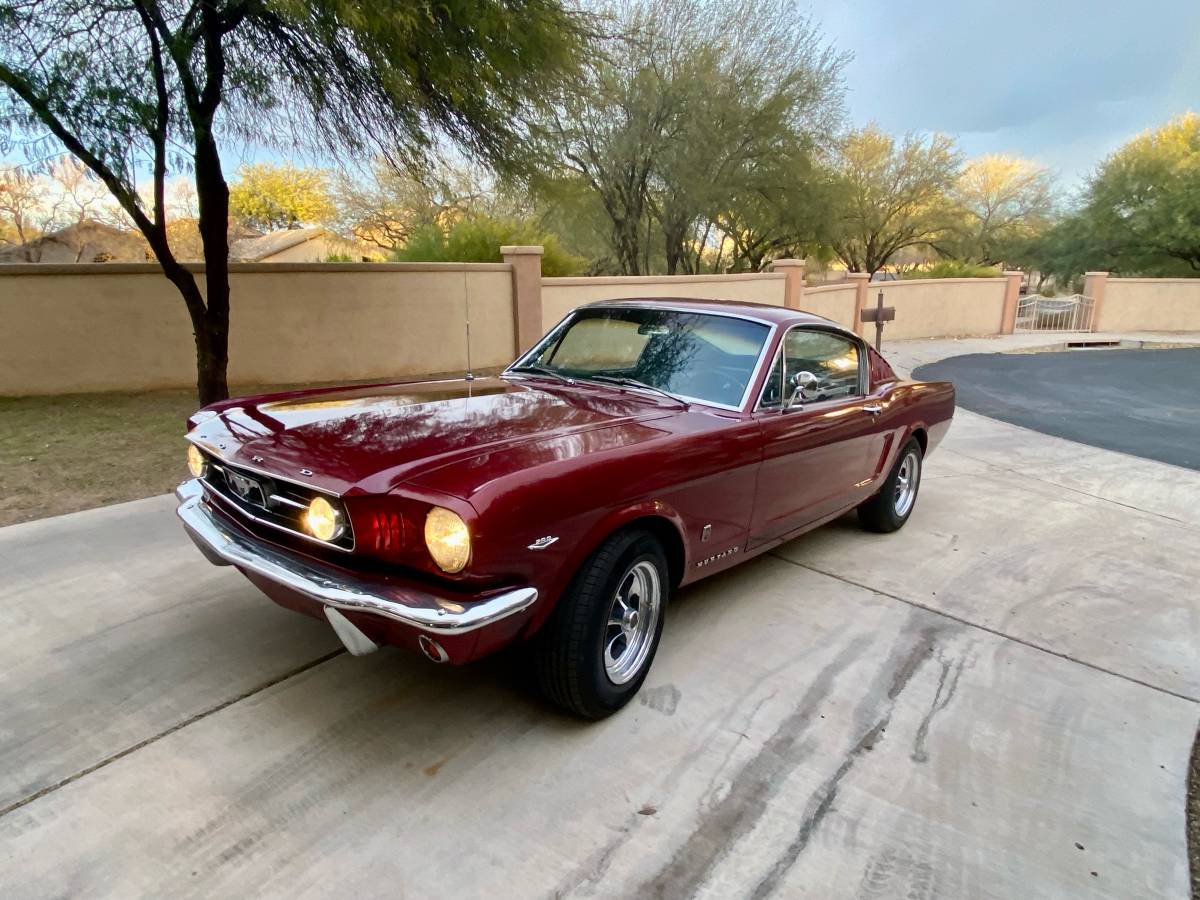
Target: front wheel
[(596, 649), (889, 509)]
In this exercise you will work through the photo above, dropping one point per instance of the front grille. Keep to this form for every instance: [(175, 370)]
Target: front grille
[(271, 501)]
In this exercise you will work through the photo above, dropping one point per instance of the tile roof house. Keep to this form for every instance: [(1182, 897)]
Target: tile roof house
[(83, 242), (300, 245)]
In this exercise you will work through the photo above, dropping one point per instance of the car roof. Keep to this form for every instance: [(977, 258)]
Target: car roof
[(773, 315)]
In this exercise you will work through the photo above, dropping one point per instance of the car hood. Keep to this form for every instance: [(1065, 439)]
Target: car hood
[(372, 438)]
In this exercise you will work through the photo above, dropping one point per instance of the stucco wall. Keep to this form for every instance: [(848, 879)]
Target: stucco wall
[(833, 301), (79, 328), (1150, 304), (939, 307), (124, 327), (561, 295)]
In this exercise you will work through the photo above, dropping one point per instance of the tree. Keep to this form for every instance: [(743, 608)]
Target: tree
[(1000, 201), (780, 209), (159, 84), (689, 102), (24, 204), (270, 197), (479, 239), (386, 209), (891, 196), (1139, 213), (1143, 203)]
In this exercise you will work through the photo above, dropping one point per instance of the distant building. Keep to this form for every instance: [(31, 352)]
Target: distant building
[(83, 242), (301, 245)]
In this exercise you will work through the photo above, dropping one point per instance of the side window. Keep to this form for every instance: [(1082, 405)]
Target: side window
[(821, 365)]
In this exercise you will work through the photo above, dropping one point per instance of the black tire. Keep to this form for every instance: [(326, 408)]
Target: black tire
[(569, 653), (880, 513)]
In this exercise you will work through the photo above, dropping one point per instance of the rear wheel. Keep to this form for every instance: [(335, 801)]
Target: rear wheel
[(596, 649), (889, 509)]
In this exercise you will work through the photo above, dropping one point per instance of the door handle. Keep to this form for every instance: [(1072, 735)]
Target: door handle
[(874, 409)]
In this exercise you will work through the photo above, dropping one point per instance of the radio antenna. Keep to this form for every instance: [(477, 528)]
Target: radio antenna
[(467, 313)]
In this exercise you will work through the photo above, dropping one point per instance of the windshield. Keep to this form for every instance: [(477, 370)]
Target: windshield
[(698, 356)]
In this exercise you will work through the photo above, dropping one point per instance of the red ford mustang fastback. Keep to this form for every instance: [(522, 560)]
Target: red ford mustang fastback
[(641, 445)]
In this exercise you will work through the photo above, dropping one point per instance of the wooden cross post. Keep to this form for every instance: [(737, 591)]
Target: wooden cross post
[(879, 315)]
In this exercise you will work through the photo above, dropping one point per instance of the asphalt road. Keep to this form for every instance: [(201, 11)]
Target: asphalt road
[(987, 703), (1142, 402)]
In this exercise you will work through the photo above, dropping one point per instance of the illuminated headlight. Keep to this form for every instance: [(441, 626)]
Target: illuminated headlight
[(322, 521), (448, 539), (196, 461)]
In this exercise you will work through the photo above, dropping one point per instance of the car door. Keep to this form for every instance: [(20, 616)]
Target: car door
[(817, 432)]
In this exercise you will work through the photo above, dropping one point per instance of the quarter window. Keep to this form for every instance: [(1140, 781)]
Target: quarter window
[(817, 364)]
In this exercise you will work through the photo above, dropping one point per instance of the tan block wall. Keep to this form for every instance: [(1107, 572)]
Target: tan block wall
[(561, 295), (1150, 304), (79, 328), (939, 307), (124, 327), (833, 301)]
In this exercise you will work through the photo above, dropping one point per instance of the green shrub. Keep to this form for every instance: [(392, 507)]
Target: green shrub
[(954, 268), (479, 240)]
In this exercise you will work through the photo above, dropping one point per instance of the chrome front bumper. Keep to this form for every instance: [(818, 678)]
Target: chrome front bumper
[(336, 590)]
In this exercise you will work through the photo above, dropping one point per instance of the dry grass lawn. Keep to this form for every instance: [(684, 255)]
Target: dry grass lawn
[(76, 451), (70, 452)]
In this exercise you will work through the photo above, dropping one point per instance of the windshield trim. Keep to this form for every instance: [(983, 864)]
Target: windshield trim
[(552, 334)]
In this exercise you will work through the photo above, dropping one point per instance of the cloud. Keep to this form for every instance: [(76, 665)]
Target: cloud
[(1061, 81)]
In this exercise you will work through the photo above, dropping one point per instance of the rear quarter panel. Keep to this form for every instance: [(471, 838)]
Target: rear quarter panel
[(910, 407)]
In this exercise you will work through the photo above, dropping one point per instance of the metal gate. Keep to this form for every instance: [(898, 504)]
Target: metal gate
[(1038, 313)]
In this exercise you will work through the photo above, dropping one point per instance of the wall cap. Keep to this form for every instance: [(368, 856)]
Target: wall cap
[(788, 264), (660, 279), (906, 282), (858, 276), (522, 250), (829, 288), (1133, 280), (243, 268)]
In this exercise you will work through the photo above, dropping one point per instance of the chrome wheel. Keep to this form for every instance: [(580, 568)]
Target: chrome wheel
[(906, 483), (632, 622)]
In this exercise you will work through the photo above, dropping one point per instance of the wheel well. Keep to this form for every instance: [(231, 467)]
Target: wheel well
[(922, 439), (672, 543)]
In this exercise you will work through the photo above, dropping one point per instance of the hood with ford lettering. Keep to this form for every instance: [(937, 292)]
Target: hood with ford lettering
[(374, 437)]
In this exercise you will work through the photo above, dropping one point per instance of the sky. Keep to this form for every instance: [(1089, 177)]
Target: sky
[(1062, 82)]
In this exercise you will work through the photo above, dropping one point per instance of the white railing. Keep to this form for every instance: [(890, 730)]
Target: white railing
[(1038, 313)]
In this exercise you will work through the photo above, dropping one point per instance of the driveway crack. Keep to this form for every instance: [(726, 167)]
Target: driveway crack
[(178, 726), (992, 631)]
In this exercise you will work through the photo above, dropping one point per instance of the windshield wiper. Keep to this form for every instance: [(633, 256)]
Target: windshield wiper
[(625, 381), (542, 370)]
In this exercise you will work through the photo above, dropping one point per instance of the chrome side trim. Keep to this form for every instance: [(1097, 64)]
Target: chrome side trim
[(338, 590)]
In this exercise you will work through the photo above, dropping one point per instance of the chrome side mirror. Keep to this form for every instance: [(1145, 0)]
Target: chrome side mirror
[(800, 382)]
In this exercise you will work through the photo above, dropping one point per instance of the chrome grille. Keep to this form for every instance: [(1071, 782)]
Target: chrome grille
[(270, 501)]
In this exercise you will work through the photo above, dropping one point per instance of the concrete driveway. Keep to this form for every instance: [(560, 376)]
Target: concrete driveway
[(999, 700)]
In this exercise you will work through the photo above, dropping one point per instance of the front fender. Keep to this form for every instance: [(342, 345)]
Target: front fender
[(662, 516)]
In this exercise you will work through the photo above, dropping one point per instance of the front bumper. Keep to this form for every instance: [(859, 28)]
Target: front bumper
[(337, 591)]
